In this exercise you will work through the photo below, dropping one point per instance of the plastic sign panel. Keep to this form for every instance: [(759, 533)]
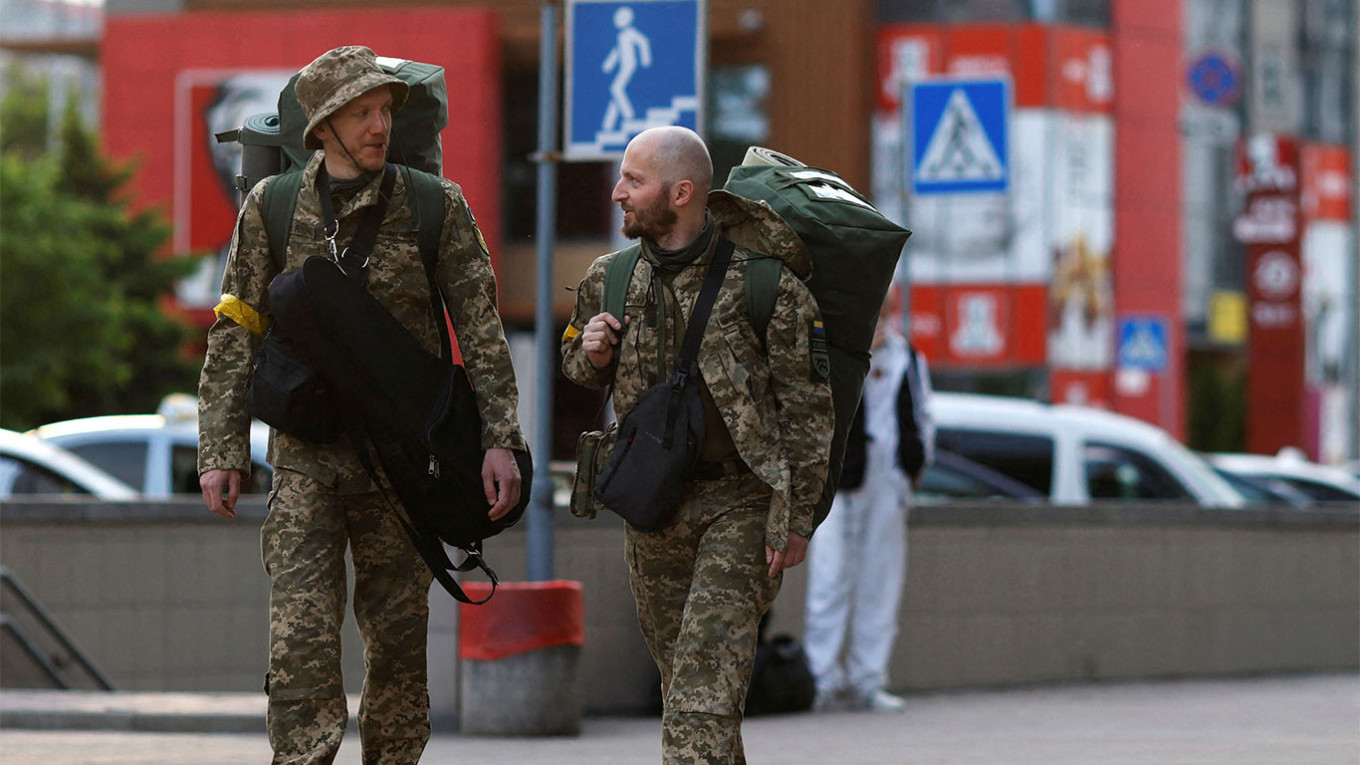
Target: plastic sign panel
[(1143, 343), (959, 135), (631, 66)]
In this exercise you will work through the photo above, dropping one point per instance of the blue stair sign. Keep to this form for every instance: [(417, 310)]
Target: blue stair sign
[(631, 66), (959, 136)]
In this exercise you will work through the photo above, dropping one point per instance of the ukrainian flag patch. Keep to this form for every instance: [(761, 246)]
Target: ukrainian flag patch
[(818, 355)]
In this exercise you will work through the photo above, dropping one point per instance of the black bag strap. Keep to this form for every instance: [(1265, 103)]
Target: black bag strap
[(694, 335), (353, 260), (703, 306)]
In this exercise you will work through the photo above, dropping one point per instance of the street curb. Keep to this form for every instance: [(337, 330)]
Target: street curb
[(138, 712)]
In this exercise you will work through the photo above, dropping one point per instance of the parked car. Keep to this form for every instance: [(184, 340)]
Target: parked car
[(31, 466), (952, 477), (1319, 482), (1076, 455), (1264, 490), (156, 454)]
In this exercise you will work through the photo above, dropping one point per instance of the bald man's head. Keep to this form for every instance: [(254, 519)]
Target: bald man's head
[(678, 154)]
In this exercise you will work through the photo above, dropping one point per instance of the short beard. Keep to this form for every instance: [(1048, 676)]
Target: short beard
[(652, 222)]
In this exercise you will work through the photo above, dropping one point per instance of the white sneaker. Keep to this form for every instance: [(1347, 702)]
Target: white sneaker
[(880, 701)]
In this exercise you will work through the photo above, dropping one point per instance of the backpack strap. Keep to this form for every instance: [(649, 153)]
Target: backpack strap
[(762, 291), (425, 195), (617, 276), (280, 202), (278, 205), (762, 286)]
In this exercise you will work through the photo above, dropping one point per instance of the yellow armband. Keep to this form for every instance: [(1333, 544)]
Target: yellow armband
[(240, 312), (570, 334)]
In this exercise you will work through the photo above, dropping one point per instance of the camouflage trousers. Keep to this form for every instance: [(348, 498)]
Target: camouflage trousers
[(701, 585), (304, 540)]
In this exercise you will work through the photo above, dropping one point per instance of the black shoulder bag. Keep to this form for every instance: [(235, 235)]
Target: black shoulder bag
[(659, 441)]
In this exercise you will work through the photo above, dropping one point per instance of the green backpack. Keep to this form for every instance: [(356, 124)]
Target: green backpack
[(854, 254)]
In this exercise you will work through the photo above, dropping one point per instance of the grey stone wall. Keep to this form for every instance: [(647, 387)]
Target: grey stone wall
[(164, 596)]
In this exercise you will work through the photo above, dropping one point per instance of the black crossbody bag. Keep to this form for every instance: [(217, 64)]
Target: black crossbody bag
[(659, 441)]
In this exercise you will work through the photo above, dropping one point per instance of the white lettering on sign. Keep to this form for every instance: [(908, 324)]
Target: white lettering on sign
[(1273, 315), (1267, 220)]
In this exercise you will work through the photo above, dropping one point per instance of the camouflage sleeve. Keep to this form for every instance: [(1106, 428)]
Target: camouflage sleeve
[(242, 316), (469, 285), (802, 396), (589, 302)]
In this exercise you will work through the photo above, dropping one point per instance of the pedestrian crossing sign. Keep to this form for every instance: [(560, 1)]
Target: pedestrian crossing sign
[(959, 135), (630, 66), (1143, 343)]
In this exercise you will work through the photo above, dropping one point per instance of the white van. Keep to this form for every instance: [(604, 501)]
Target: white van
[(1076, 455)]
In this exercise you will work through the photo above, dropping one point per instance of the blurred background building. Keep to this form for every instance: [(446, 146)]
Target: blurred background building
[(1176, 239)]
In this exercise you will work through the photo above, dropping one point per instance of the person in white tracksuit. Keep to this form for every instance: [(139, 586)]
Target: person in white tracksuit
[(858, 557)]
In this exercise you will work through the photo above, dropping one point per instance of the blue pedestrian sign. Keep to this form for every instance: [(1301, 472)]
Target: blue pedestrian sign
[(1143, 343), (960, 140), (631, 66)]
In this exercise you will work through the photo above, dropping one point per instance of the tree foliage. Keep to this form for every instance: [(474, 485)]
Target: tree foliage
[(23, 113), (83, 281)]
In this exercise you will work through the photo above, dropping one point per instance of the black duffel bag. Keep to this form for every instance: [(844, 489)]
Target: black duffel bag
[(416, 410)]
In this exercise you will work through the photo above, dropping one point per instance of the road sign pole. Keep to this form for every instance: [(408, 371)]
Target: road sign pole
[(540, 531)]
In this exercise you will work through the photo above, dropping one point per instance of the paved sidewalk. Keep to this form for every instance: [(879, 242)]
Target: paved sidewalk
[(1313, 719)]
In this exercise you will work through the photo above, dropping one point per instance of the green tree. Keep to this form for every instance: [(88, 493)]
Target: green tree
[(83, 277), (23, 112)]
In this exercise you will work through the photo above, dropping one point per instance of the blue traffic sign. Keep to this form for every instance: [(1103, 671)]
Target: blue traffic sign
[(1215, 78), (959, 135), (1143, 343), (631, 66)]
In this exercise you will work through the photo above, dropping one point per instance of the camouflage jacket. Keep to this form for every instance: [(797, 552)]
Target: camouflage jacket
[(397, 279), (775, 404)]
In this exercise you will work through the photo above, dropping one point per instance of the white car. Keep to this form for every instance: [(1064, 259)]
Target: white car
[(1076, 455), (31, 466), (1319, 482), (156, 454)]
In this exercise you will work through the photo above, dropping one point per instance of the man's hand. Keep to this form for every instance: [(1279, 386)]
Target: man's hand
[(599, 337), (221, 489), (500, 481), (794, 553)]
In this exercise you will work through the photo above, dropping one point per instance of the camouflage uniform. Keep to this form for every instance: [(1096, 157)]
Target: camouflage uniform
[(322, 498), (702, 583)]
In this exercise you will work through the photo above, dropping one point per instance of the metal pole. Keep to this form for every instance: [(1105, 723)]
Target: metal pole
[(540, 546), (1354, 351)]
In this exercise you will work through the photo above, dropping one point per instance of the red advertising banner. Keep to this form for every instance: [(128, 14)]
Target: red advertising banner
[(1269, 227)]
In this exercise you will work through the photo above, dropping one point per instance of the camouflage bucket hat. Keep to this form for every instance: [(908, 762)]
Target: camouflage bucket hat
[(337, 77)]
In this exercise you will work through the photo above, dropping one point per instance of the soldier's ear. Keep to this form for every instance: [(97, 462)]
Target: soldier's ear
[(682, 192)]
